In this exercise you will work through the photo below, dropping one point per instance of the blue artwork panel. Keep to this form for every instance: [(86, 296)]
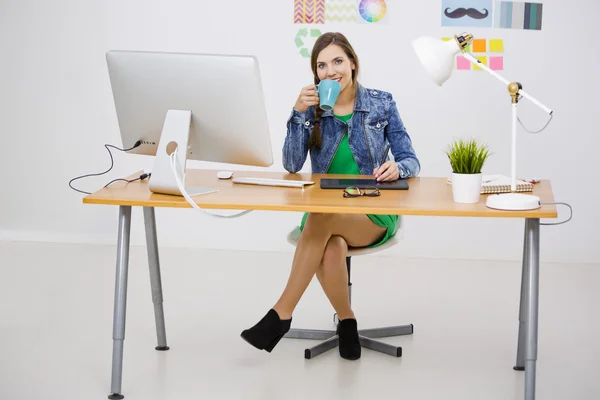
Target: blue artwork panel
[(467, 13)]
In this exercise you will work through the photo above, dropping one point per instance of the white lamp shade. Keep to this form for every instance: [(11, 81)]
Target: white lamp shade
[(436, 56)]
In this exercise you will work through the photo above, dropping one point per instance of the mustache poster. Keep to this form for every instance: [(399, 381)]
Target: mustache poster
[(467, 13)]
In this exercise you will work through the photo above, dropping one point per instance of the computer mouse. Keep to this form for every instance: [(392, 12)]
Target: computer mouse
[(224, 174)]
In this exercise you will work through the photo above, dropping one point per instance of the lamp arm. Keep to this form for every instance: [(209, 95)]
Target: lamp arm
[(514, 89), (535, 101), (525, 95)]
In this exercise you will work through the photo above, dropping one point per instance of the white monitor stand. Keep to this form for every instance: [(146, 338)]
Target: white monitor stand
[(175, 137)]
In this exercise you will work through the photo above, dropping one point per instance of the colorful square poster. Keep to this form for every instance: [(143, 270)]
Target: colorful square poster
[(467, 13), (341, 11), (309, 11), (518, 15), (372, 12)]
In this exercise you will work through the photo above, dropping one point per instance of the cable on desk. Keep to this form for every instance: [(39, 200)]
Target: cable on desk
[(108, 146), (562, 222), (178, 179), (140, 178)]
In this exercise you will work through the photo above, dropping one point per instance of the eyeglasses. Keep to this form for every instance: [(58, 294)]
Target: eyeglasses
[(356, 192)]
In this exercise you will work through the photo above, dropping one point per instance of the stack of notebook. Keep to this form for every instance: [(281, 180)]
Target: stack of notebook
[(501, 184)]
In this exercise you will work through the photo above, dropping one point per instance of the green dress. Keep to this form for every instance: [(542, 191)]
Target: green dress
[(343, 163)]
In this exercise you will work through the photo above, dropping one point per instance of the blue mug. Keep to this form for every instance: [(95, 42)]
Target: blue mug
[(328, 91)]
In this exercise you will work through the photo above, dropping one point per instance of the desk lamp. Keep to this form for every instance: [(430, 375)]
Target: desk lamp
[(437, 57)]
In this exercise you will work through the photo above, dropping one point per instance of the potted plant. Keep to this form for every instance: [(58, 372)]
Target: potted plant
[(467, 157)]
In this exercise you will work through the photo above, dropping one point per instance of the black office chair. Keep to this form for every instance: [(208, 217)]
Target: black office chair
[(366, 336)]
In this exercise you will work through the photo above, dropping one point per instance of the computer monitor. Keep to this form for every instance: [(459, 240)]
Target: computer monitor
[(212, 105)]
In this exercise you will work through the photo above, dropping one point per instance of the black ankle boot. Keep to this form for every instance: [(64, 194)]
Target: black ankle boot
[(267, 332), (349, 344)]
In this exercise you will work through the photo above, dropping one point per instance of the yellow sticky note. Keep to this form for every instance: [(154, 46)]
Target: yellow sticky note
[(479, 46), (496, 45), (445, 39), (483, 60)]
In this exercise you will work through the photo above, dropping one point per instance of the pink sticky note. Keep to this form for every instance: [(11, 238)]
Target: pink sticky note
[(463, 63), (497, 63)]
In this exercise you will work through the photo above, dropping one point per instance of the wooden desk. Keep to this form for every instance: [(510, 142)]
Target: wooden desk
[(426, 196)]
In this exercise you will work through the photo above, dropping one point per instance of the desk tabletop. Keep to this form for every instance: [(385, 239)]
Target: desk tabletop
[(425, 196)]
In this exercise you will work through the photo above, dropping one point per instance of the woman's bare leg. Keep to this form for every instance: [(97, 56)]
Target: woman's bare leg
[(333, 276), (356, 229)]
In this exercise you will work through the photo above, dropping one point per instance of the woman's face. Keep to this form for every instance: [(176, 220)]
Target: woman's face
[(333, 63)]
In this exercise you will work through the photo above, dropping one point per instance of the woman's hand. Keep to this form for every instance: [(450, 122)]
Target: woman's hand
[(308, 97), (388, 171)]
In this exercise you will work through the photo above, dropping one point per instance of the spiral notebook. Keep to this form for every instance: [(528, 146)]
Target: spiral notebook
[(501, 184)]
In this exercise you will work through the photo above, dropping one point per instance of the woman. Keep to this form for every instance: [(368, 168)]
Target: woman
[(350, 139)]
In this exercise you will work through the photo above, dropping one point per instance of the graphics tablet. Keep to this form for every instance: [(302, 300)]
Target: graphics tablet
[(329, 183)]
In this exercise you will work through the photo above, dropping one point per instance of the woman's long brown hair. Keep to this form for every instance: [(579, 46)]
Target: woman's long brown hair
[(325, 40)]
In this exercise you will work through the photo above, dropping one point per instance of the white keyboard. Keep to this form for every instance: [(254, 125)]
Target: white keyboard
[(271, 182)]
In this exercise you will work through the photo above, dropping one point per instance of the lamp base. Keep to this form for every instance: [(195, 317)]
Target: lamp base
[(513, 201)]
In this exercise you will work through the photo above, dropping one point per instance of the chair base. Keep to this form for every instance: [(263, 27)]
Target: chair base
[(366, 336)]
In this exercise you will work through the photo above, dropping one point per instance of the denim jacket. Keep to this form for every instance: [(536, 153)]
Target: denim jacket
[(375, 122)]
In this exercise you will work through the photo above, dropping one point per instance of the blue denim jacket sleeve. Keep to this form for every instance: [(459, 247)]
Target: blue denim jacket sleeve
[(295, 147), (401, 144)]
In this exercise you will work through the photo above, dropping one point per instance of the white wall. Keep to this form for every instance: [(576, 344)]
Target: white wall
[(56, 112)]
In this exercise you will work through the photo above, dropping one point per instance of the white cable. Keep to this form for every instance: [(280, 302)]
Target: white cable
[(177, 172)]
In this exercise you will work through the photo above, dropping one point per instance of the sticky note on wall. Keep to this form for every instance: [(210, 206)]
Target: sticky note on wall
[(462, 63), (496, 63), (496, 45), (483, 60), (479, 46)]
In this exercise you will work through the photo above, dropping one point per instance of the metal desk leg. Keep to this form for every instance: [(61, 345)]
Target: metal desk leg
[(155, 280), (120, 301), (520, 365), (531, 338)]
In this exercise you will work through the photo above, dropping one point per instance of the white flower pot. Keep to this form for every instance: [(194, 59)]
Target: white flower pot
[(466, 188)]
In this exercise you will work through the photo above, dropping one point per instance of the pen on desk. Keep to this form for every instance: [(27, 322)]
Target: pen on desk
[(533, 180)]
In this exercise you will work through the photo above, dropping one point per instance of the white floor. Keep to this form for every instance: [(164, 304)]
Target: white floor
[(56, 328)]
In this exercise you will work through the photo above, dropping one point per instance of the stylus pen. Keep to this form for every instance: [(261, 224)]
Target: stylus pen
[(384, 156)]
